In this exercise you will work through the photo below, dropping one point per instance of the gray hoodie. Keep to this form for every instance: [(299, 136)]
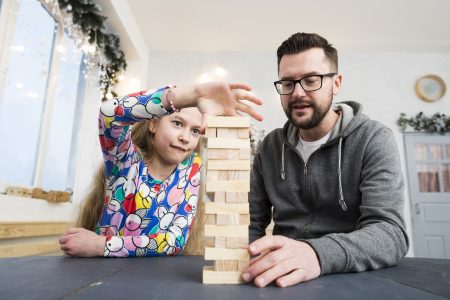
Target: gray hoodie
[(346, 202)]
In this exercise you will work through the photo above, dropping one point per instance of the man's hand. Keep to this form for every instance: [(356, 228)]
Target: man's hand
[(81, 242), (284, 260)]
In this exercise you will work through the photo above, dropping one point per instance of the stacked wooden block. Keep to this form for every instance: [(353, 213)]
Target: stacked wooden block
[(37, 193), (227, 185)]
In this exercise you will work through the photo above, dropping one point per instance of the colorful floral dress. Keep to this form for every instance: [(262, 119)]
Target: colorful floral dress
[(142, 216)]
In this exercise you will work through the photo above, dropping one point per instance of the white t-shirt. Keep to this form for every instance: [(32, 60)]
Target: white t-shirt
[(307, 148)]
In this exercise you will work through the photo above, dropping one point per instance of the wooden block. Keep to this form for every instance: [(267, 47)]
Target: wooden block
[(210, 132), (228, 143), (210, 242), (226, 254), (210, 219), (226, 265), (19, 191), (219, 197), (226, 153), (236, 165), (236, 197), (212, 175), (232, 219), (220, 242), (243, 133), (226, 208), (229, 185), (220, 277), (227, 231), (51, 196), (236, 242), (244, 153), (228, 175), (227, 132), (222, 220), (244, 219), (228, 122)]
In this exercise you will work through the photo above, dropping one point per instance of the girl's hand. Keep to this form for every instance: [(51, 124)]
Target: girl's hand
[(81, 242), (218, 98)]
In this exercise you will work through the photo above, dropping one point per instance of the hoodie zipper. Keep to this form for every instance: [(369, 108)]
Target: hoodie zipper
[(305, 188)]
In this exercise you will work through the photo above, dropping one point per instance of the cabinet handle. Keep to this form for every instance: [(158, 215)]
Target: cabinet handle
[(417, 208)]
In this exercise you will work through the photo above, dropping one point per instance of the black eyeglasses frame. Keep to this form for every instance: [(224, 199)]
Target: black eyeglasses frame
[(299, 81)]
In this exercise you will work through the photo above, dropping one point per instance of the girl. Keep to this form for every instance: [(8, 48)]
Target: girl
[(145, 196)]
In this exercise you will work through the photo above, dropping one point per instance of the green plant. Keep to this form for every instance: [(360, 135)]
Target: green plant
[(85, 15), (436, 123)]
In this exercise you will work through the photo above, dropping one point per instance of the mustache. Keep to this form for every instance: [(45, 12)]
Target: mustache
[(300, 102)]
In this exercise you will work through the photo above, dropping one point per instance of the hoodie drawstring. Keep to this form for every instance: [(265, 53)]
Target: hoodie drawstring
[(341, 194), (282, 162)]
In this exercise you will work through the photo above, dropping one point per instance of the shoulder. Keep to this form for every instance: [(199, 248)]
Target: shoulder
[(376, 129), (195, 158), (275, 136), (192, 163)]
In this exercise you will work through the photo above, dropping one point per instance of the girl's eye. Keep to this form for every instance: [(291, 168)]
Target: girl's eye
[(176, 123), (196, 131)]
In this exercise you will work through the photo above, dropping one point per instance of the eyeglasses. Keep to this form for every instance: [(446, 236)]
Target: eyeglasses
[(309, 84)]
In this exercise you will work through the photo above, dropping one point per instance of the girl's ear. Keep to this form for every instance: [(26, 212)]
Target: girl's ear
[(152, 126)]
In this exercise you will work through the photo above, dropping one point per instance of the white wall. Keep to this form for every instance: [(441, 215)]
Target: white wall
[(382, 81)]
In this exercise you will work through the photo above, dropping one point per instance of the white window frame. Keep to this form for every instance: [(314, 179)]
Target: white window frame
[(7, 28)]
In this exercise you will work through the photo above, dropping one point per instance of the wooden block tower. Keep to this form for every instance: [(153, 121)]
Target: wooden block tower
[(227, 185)]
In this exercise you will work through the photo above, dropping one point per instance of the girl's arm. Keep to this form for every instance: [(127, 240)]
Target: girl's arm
[(171, 238), (116, 115), (115, 118)]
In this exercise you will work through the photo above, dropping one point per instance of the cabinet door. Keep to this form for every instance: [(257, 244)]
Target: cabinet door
[(428, 163)]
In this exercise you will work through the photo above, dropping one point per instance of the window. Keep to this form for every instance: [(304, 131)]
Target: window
[(40, 98)]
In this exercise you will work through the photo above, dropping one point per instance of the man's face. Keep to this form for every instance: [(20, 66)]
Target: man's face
[(307, 109)]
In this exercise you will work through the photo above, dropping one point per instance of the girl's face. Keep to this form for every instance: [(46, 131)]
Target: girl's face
[(176, 135)]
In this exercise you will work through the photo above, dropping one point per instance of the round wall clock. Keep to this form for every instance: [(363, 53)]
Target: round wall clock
[(430, 88)]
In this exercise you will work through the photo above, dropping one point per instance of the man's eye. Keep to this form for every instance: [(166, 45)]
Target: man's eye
[(311, 80), (286, 83)]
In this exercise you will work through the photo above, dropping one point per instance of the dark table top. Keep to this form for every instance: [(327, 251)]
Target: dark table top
[(58, 277)]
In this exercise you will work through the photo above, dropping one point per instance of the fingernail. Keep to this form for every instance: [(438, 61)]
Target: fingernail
[(261, 281), (252, 249), (246, 277)]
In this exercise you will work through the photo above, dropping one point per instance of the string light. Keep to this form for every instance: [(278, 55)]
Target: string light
[(219, 71), (61, 48), (205, 77)]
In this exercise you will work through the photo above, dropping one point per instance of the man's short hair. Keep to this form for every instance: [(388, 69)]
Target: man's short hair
[(300, 41)]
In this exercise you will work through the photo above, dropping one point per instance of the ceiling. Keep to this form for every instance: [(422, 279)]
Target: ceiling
[(257, 25)]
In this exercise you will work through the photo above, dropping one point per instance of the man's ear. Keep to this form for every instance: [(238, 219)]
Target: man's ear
[(152, 126), (337, 84)]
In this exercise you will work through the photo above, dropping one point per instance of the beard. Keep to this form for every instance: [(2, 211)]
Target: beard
[(318, 113)]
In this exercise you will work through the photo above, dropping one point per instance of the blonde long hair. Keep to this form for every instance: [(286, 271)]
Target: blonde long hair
[(92, 205)]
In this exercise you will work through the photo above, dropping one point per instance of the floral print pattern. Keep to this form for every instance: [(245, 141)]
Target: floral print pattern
[(142, 216)]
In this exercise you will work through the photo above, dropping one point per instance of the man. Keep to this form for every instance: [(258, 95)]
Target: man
[(331, 179)]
